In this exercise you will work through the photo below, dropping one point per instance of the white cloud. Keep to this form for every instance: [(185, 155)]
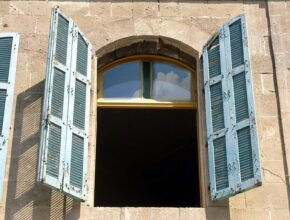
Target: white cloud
[(170, 86)]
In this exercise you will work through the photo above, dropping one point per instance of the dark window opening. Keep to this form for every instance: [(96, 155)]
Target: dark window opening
[(146, 158)]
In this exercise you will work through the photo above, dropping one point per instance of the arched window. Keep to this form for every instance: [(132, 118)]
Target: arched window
[(147, 81), (147, 134)]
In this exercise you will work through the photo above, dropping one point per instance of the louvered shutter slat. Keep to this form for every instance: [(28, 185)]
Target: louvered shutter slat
[(82, 56), (217, 106), (221, 169), (57, 97), (80, 104), (76, 175), (53, 154), (240, 97), (5, 57), (62, 39), (2, 107)]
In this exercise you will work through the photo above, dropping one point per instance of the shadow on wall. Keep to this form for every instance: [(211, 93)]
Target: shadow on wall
[(26, 198)]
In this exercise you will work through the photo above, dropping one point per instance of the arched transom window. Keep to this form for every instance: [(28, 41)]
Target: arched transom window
[(150, 81)]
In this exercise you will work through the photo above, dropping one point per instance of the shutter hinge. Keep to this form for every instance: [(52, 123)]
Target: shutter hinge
[(208, 187), (206, 145)]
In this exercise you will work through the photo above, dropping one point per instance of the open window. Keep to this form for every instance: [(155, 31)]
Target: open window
[(146, 137), (147, 134)]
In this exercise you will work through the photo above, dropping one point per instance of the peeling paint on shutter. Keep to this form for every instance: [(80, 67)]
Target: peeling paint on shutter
[(64, 141), (55, 105), (75, 182), (234, 161), (9, 43)]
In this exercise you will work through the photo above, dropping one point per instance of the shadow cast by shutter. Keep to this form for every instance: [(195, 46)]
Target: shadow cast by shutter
[(26, 198)]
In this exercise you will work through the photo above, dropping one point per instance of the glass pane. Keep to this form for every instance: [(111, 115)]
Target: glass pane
[(171, 82), (123, 81)]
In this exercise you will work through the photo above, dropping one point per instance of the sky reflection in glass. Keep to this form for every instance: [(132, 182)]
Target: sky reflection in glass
[(171, 82), (123, 81)]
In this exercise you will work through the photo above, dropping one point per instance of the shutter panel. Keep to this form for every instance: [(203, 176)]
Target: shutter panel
[(64, 142), (217, 108), (244, 128), (54, 125), (234, 163), (79, 106), (8, 58)]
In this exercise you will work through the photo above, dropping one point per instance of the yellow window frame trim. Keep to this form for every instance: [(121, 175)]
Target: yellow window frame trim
[(143, 102)]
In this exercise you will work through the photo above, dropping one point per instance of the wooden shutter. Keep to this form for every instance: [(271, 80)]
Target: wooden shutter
[(8, 58), (78, 129), (234, 162), (63, 154)]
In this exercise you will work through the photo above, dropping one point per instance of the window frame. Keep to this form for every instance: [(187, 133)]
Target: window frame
[(145, 102)]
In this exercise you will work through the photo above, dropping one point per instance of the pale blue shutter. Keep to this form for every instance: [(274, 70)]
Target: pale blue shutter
[(54, 124), (234, 163), (79, 106), (64, 139), (8, 58)]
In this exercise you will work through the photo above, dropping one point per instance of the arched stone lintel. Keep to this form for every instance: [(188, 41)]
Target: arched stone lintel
[(147, 45)]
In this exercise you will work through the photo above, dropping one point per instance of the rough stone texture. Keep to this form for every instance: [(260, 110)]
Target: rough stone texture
[(191, 23)]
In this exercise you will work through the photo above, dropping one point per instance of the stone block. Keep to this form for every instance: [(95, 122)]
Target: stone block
[(238, 201), (16, 23), (266, 100), (4, 8), (121, 10), (81, 9), (30, 8), (268, 84), (194, 9), (268, 128), (260, 64), (281, 43), (221, 213), (280, 24), (192, 213), (101, 10), (281, 214), (277, 195), (142, 9), (164, 213), (256, 198), (105, 213), (278, 8), (271, 149), (169, 9), (116, 28), (274, 171), (226, 9), (42, 25), (135, 213), (250, 214)]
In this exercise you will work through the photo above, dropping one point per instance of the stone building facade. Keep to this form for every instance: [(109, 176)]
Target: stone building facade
[(184, 26)]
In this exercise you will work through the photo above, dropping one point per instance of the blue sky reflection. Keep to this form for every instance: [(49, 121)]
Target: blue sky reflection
[(123, 81)]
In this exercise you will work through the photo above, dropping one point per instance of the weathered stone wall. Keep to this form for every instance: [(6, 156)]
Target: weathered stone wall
[(190, 22)]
